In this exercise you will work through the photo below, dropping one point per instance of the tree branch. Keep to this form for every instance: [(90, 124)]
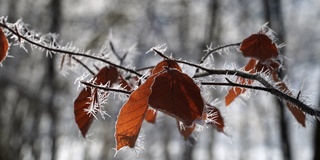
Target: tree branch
[(258, 78), (57, 50), (106, 89)]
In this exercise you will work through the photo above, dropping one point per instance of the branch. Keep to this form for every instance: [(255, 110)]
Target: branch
[(84, 65), (230, 83), (258, 78), (106, 89), (216, 49), (161, 54), (57, 50)]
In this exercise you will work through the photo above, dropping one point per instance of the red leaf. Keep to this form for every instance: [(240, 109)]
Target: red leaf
[(165, 64), (267, 66), (132, 114), (260, 47), (186, 131), (123, 83), (3, 46), (176, 94), (296, 112), (82, 117), (234, 92), (151, 116), (214, 117), (87, 99)]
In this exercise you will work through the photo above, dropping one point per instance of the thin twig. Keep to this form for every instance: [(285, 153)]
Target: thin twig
[(106, 89), (216, 49), (145, 68), (161, 54), (236, 85), (84, 65)]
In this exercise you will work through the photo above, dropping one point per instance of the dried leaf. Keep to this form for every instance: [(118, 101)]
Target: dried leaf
[(267, 66), (88, 98), (165, 64), (123, 83), (214, 118), (82, 117), (176, 94), (151, 116), (186, 131), (131, 115), (296, 112), (260, 47), (4, 45), (234, 92)]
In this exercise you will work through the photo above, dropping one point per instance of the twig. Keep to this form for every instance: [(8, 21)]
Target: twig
[(121, 59), (161, 54), (216, 49), (83, 65), (236, 85), (106, 89), (145, 68)]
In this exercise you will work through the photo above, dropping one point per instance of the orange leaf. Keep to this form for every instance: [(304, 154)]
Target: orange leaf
[(234, 92), (82, 117), (87, 99), (176, 94), (260, 47), (267, 66), (151, 116), (165, 64), (186, 131), (132, 114), (214, 117), (3, 46), (296, 112), (123, 83)]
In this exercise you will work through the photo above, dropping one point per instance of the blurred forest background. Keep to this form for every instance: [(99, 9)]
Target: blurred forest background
[(36, 99)]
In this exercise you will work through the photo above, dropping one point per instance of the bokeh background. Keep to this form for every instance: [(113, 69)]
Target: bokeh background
[(36, 98)]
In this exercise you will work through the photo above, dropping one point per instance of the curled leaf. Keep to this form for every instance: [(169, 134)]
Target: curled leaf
[(4, 45), (123, 83), (151, 116), (87, 101), (214, 118), (295, 111), (234, 92), (267, 66)]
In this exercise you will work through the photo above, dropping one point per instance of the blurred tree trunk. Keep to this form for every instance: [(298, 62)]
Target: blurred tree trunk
[(316, 143), (184, 26), (273, 15), (55, 9), (212, 35)]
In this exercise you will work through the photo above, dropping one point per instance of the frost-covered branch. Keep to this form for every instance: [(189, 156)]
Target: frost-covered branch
[(256, 76), (36, 41), (22, 34), (106, 88)]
